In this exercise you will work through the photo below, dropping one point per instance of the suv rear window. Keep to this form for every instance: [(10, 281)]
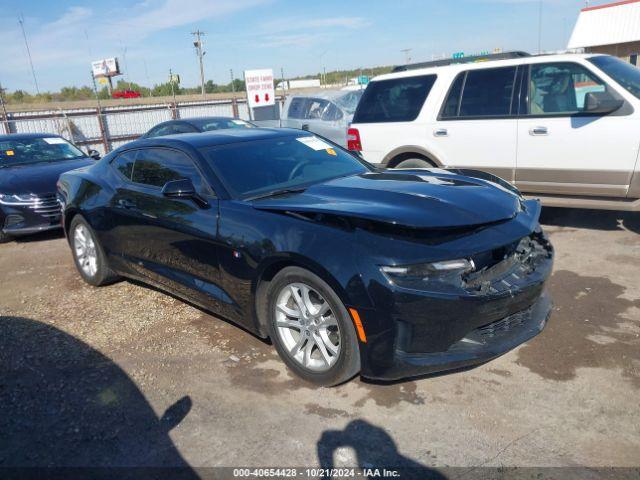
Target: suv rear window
[(395, 100)]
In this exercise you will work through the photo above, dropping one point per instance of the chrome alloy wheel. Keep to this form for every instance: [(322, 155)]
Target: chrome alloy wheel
[(85, 249), (307, 327)]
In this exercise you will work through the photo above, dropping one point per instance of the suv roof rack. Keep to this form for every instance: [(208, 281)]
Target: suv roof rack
[(455, 61)]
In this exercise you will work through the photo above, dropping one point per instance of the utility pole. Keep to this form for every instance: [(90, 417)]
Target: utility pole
[(407, 58), (4, 111), (540, 26), (233, 87), (26, 44), (198, 44)]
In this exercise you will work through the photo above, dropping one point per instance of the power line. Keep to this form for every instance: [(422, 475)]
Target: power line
[(26, 43), (198, 44)]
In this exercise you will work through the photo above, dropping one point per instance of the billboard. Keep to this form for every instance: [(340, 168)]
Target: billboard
[(107, 67), (260, 91)]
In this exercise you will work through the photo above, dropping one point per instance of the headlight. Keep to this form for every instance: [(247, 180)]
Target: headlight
[(414, 276), (6, 199)]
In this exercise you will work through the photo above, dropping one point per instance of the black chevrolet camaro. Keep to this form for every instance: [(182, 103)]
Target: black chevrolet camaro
[(344, 267)]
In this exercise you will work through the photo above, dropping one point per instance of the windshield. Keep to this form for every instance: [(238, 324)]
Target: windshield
[(35, 150), (223, 123), (349, 102), (622, 72), (253, 168)]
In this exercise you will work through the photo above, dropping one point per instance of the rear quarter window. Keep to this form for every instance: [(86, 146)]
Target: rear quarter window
[(394, 100), (297, 108)]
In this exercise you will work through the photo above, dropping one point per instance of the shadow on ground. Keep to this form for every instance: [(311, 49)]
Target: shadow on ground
[(374, 449), (65, 404), (40, 237), (592, 219)]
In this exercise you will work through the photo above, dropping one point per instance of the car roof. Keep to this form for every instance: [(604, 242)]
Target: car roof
[(461, 67), (196, 120), (218, 137), (27, 136), (324, 94)]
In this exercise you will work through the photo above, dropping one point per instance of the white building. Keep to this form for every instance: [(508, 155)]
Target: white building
[(612, 28)]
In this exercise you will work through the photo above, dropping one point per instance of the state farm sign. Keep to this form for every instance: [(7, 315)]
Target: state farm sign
[(259, 84)]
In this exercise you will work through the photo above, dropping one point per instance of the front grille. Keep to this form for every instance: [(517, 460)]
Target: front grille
[(504, 325), (45, 205)]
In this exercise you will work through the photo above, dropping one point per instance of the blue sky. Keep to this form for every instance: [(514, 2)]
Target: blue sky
[(151, 36)]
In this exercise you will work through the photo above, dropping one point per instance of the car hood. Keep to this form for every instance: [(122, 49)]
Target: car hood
[(38, 178), (416, 199)]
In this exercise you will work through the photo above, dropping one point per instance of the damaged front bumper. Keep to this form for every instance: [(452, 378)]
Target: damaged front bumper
[(478, 346), (489, 312)]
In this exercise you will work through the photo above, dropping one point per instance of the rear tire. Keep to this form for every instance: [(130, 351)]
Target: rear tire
[(414, 163), (88, 254), (317, 343)]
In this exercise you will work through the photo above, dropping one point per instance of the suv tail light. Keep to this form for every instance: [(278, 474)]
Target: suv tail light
[(353, 140)]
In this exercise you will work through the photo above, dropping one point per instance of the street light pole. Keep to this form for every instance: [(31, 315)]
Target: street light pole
[(198, 44)]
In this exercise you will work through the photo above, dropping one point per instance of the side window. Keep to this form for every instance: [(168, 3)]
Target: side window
[(123, 163), (395, 100), (157, 166), (296, 108), (451, 105), (557, 88), (332, 113), (182, 128), (488, 92), (315, 108)]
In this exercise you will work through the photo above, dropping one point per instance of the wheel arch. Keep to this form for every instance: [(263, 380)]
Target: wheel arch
[(393, 158), (270, 268)]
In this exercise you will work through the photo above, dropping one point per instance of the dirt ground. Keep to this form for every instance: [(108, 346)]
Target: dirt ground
[(126, 375)]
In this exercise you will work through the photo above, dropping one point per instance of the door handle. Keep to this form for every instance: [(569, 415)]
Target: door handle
[(126, 203), (539, 131), (305, 127), (441, 132)]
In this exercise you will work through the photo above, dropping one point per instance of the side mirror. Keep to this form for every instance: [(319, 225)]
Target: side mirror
[(183, 188), (93, 154), (601, 102)]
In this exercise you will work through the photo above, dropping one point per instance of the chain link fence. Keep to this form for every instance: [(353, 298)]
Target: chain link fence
[(105, 129)]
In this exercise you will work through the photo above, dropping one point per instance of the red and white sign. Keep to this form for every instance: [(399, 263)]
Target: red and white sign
[(259, 84)]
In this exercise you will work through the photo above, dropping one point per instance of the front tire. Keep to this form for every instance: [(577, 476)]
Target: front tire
[(311, 328), (4, 238), (88, 254)]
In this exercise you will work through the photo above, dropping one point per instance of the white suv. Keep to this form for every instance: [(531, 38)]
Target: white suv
[(565, 128)]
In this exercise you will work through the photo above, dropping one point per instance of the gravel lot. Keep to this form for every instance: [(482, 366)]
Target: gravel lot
[(126, 375)]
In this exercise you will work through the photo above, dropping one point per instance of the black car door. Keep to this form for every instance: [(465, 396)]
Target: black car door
[(170, 241)]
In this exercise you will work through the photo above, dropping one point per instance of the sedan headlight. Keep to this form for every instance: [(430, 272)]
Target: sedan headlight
[(414, 276), (7, 199)]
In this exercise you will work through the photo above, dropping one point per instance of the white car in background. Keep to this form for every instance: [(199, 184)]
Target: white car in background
[(326, 113), (565, 128)]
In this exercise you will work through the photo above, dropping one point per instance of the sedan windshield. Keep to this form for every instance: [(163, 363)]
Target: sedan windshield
[(277, 165), (622, 72), (35, 150)]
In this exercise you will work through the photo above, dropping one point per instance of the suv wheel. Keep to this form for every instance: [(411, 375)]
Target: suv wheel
[(311, 328), (88, 255), (414, 163)]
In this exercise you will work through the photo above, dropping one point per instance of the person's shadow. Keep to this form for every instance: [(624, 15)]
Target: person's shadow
[(374, 449), (64, 404)]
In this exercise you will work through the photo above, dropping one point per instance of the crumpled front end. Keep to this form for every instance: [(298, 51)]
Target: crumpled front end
[(465, 317)]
